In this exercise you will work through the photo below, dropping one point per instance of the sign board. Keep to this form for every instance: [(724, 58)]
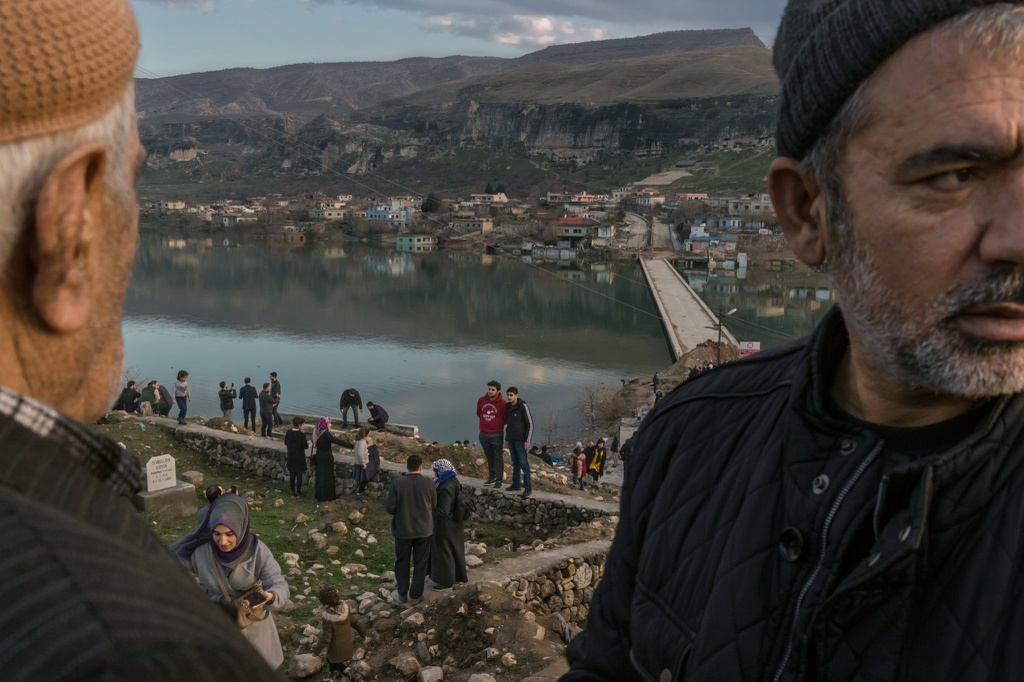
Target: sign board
[(749, 347), (160, 473)]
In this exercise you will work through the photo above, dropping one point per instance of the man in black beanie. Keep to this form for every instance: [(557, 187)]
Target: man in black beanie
[(849, 507)]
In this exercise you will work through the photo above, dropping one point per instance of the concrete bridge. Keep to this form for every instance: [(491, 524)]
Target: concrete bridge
[(687, 319)]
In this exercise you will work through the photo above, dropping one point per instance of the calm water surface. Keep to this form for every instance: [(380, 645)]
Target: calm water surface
[(419, 333)]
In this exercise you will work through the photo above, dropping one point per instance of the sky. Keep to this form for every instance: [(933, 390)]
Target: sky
[(188, 36)]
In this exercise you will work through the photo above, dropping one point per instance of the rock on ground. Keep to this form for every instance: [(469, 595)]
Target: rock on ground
[(304, 665), (431, 674)]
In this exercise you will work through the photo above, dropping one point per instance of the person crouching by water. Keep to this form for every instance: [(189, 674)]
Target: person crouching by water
[(447, 552), (228, 560), (324, 487), (296, 444), (336, 631), (361, 458)]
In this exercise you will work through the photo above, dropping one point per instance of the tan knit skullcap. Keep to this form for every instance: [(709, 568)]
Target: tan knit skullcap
[(63, 63)]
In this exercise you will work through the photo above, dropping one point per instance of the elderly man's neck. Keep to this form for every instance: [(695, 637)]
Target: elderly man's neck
[(868, 394)]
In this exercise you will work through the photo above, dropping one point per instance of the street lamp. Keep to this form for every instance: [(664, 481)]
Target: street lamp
[(721, 315)]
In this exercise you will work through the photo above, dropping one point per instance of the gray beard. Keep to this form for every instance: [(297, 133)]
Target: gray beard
[(926, 350)]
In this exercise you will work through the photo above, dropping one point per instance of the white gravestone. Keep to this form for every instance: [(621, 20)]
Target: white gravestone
[(160, 473)]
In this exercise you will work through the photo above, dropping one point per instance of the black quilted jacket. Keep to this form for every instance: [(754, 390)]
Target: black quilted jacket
[(762, 539)]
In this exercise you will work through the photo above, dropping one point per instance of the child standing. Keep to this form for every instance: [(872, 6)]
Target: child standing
[(579, 465), (181, 395), (336, 630)]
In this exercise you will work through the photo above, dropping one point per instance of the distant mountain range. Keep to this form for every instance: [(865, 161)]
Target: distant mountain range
[(308, 90), (599, 97)]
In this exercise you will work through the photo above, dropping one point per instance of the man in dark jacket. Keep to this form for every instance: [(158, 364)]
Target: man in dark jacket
[(275, 393), (88, 591), (267, 406), (378, 418), (227, 399), (250, 397), (350, 399), (129, 398), (849, 507), (411, 500), (518, 435), (163, 406)]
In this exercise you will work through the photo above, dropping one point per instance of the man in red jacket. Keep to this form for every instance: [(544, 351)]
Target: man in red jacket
[(490, 410)]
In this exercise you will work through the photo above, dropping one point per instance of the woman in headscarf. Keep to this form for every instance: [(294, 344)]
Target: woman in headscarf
[(227, 557), (447, 553), (323, 460)]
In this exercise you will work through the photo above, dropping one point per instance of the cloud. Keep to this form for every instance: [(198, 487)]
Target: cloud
[(206, 6), (524, 21), (529, 30)]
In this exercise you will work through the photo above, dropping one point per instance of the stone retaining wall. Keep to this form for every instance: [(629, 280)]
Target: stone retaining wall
[(566, 587), (267, 460)]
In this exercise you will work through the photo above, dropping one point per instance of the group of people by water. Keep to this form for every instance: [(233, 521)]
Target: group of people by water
[(365, 459), (265, 402)]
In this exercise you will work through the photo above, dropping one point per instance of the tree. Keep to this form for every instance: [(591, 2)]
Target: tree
[(489, 189), (431, 204), (500, 189)]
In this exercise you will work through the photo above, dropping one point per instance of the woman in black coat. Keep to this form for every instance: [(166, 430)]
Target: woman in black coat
[(447, 553), (296, 443), (323, 460)]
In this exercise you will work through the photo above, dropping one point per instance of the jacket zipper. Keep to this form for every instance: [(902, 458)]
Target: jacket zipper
[(821, 555)]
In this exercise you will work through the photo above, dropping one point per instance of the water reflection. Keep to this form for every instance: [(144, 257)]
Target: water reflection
[(771, 307), (421, 333)]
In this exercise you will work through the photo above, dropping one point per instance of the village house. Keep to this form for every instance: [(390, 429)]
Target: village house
[(416, 243), (488, 199), (165, 207), (396, 213), (475, 224), (327, 213)]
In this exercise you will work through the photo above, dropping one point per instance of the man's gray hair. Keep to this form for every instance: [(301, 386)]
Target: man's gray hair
[(999, 29), (26, 164)]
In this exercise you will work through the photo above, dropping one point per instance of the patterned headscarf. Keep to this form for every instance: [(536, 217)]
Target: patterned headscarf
[(443, 470), (323, 425)]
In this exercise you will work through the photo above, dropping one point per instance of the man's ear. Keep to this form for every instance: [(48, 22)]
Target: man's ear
[(67, 215), (800, 206)]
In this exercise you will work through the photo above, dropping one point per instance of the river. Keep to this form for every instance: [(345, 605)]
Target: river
[(421, 334)]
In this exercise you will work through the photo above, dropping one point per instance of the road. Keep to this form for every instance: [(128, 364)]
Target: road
[(636, 225), (660, 236)]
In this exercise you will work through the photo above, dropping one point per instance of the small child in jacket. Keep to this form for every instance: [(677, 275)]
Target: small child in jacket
[(579, 465), (336, 630)]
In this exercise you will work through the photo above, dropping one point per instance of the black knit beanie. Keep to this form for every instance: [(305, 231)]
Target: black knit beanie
[(825, 49)]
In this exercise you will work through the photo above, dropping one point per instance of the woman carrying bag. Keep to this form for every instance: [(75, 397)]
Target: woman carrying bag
[(237, 569)]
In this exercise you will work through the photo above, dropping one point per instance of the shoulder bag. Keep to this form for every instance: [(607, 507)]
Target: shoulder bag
[(244, 614)]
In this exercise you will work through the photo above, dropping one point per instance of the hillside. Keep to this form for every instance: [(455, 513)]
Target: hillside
[(718, 72), (442, 124)]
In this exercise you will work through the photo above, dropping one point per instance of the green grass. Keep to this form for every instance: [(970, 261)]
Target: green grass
[(278, 528)]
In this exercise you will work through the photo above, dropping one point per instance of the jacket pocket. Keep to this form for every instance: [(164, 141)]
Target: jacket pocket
[(661, 641)]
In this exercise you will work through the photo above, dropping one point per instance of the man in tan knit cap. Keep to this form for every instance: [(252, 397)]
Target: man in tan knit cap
[(88, 591)]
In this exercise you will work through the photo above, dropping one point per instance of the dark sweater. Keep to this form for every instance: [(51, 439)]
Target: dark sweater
[(89, 592), (411, 499)]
